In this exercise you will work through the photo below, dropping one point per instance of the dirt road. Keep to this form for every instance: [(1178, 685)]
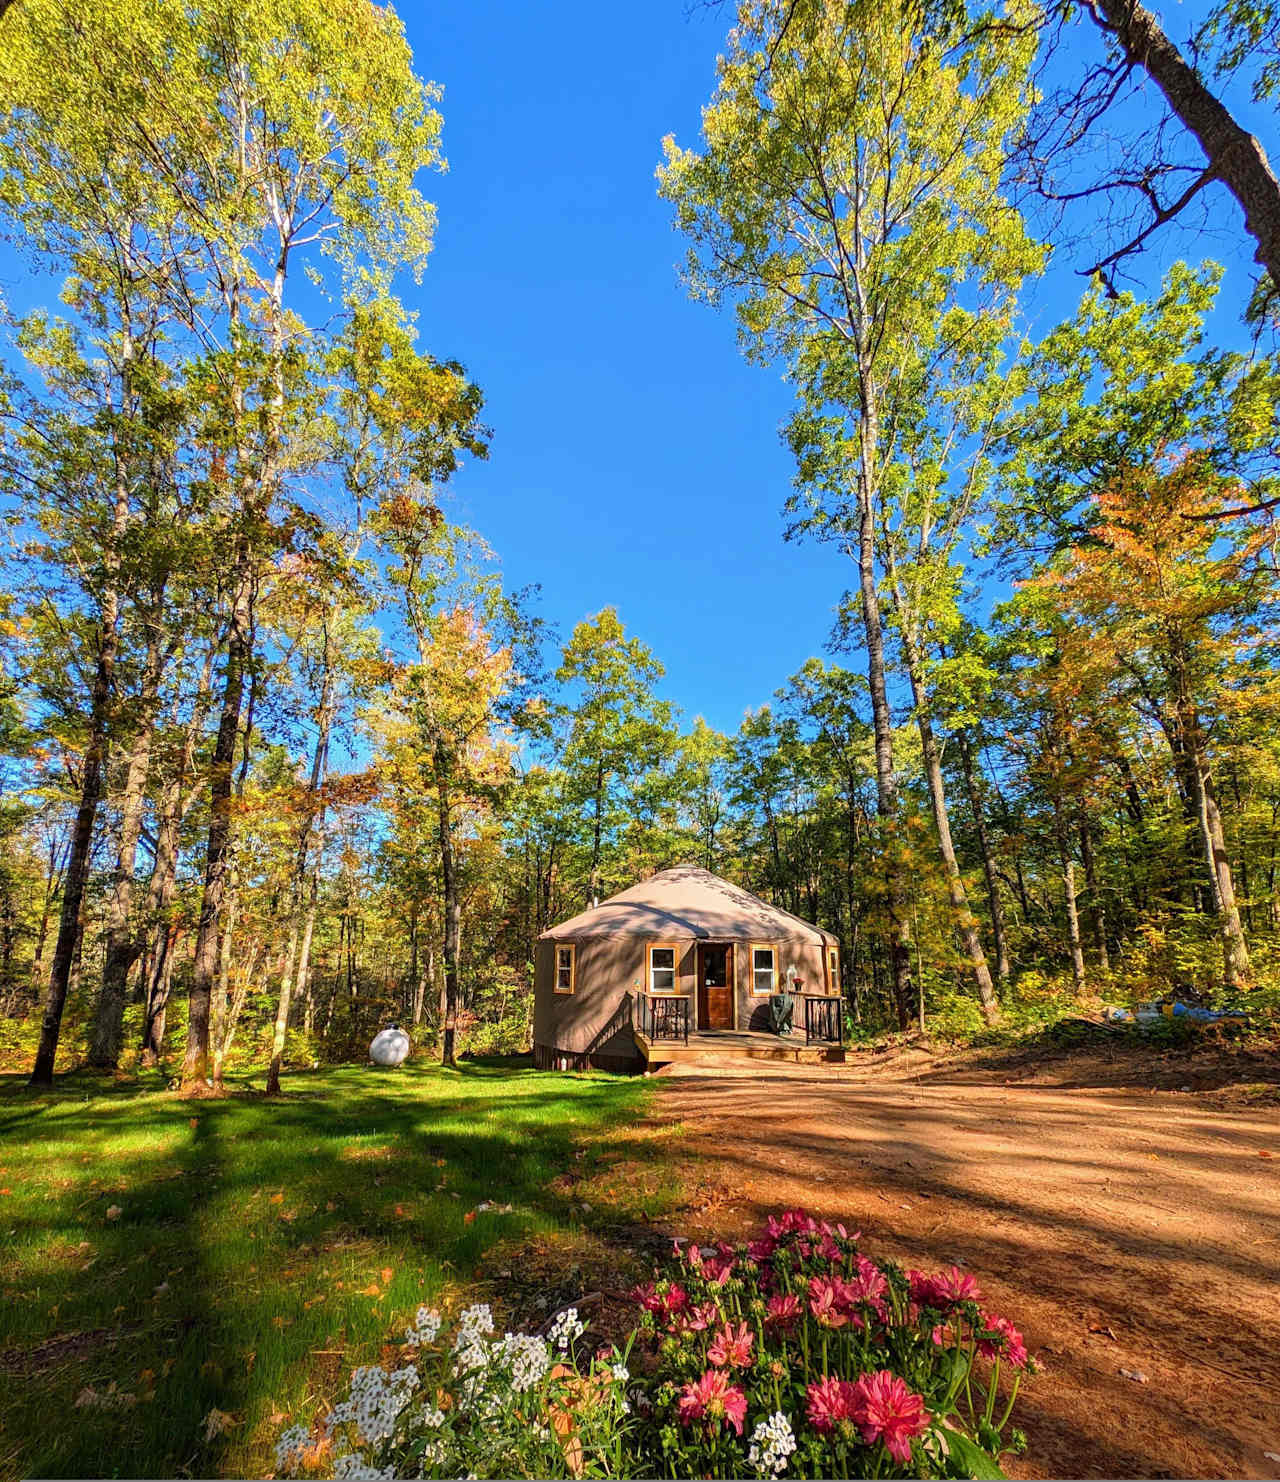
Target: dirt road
[(1119, 1229)]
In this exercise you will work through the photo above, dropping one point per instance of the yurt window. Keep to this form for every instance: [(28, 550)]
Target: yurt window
[(662, 969), (564, 968), (833, 969), (764, 965)]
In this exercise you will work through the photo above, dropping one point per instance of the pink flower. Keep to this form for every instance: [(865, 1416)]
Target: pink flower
[(713, 1398), (832, 1402), (732, 1349), (945, 1290), (699, 1318), (784, 1311), (716, 1266), (1008, 1345), (761, 1249), (676, 1298), (648, 1298), (890, 1412), (825, 1302), (869, 1284), (829, 1250)]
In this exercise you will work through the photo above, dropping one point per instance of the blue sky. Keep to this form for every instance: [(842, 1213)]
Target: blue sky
[(635, 459)]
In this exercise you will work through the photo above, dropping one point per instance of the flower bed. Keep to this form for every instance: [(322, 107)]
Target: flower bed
[(792, 1355), (798, 1355)]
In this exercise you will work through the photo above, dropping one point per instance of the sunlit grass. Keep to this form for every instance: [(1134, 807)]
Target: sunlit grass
[(180, 1276)]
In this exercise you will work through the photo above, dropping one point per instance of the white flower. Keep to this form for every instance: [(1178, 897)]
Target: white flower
[(426, 1325), (620, 1372), (433, 1453), (474, 1322), (566, 1328), (432, 1419), (290, 1446), (527, 1356), (772, 1443)]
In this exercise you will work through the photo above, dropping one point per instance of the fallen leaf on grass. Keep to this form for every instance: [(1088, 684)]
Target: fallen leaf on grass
[(277, 1198), (217, 1422), (194, 1123), (370, 1291), (114, 1212), (386, 1273)]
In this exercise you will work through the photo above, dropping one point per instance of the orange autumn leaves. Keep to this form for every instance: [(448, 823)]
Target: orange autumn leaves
[(1141, 594)]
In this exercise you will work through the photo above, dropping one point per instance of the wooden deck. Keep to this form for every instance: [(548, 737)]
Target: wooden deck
[(710, 1043)]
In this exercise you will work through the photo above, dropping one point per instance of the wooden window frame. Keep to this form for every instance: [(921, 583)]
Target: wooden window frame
[(831, 956), (572, 949), (650, 949), (753, 948)]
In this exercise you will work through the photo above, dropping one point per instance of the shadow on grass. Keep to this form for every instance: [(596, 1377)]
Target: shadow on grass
[(262, 1247)]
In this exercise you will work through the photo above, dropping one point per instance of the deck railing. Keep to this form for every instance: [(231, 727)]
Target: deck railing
[(823, 1018), (661, 1015)]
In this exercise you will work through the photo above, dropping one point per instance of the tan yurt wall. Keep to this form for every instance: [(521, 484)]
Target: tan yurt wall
[(595, 1018)]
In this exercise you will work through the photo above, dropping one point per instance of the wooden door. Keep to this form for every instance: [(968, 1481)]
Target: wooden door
[(715, 986)]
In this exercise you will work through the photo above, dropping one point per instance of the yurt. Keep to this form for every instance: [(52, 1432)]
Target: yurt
[(684, 934)]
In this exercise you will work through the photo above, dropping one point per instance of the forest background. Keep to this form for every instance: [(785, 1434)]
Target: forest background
[(286, 753)]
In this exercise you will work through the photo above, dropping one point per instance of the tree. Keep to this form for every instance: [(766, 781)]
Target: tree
[(442, 737), (1147, 603), (847, 192), (613, 731), (1209, 143)]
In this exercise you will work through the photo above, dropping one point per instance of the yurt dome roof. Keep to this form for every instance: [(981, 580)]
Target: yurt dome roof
[(688, 901)]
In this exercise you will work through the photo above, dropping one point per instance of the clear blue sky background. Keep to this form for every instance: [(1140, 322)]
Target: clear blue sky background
[(636, 459)]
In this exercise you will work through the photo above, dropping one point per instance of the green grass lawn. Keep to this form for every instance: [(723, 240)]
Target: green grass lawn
[(180, 1277)]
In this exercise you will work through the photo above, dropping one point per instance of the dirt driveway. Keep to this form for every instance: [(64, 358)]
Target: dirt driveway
[(1119, 1229)]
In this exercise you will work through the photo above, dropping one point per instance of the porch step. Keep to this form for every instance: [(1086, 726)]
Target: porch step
[(715, 1045)]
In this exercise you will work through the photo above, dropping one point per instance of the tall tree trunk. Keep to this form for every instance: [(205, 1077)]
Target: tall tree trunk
[(1097, 907), (452, 906), (58, 852), (95, 756), (175, 799), (159, 985), (1235, 951), (882, 720), (1186, 724), (195, 1069), (596, 825), (124, 943), (218, 1000), (1233, 155), (965, 921), (994, 904), (313, 823), (1069, 895), (257, 474)]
